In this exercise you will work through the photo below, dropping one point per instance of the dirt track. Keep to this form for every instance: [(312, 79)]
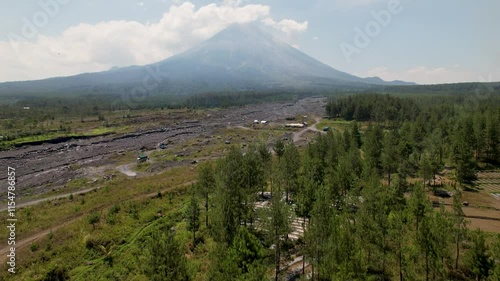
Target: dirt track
[(46, 167), (28, 240)]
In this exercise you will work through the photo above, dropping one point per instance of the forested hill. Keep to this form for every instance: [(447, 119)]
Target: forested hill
[(387, 108), (474, 88), (362, 193)]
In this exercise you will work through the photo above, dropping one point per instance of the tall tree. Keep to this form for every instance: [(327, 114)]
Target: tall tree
[(279, 148), (266, 158), (206, 184), (319, 230), (253, 180), (373, 222), (477, 258), (277, 223), (418, 205), (389, 157), (492, 137), (495, 254), (356, 135), (229, 210), (479, 134), (462, 155), (193, 216), (397, 233), (425, 168), (290, 169), (460, 224), (372, 146), (246, 249), (164, 260)]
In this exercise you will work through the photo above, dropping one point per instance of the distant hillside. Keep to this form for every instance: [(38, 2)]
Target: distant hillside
[(239, 58)]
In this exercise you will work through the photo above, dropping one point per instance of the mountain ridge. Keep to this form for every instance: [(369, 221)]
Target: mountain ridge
[(239, 58)]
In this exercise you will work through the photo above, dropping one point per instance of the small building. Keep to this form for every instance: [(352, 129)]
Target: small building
[(295, 125), (256, 121), (26, 107), (263, 122)]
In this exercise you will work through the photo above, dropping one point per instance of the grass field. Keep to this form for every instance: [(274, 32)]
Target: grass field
[(333, 124)]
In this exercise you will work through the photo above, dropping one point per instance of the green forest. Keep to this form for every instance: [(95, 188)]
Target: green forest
[(361, 195), (361, 201)]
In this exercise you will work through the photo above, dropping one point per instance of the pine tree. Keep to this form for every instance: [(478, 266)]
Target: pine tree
[(247, 254), (389, 157), (229, 210), (253, 180), (462, 154), (355, 135), (266, 158), (460, 224), (206, 184), (372, 146), (397, 233), (193, 216), (290, 169), (479, 134), (163, 259), (373, 222), (277, 223), (418, 205), (425, 168), (319, 230), (495, 254), (279, 148), (477, 258), (492, 137)]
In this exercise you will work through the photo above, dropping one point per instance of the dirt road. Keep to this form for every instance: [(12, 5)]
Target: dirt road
[(20, 244), (127, 170), (38, 201), (297, 136)]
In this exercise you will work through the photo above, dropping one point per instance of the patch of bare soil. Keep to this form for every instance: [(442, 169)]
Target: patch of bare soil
[(43, 168)]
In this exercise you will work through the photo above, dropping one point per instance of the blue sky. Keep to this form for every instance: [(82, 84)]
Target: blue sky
[(424, 41)]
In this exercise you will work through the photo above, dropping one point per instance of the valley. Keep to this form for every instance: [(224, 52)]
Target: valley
[(249, 141)]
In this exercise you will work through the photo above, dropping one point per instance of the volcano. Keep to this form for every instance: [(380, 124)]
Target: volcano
[(241, 57)]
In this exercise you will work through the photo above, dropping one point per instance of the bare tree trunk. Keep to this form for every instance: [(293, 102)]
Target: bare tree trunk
[(206, 210), (312, 268), (400, 264), (303, 265), (458, 251), (278, 257), (426, 266)]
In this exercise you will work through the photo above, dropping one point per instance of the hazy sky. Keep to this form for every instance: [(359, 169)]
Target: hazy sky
[(425, 41)]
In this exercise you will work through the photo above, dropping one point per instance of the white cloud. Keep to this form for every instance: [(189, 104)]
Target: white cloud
[(425, 75), (234, 3), (97, 47), (288, 26), (140, 4)]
